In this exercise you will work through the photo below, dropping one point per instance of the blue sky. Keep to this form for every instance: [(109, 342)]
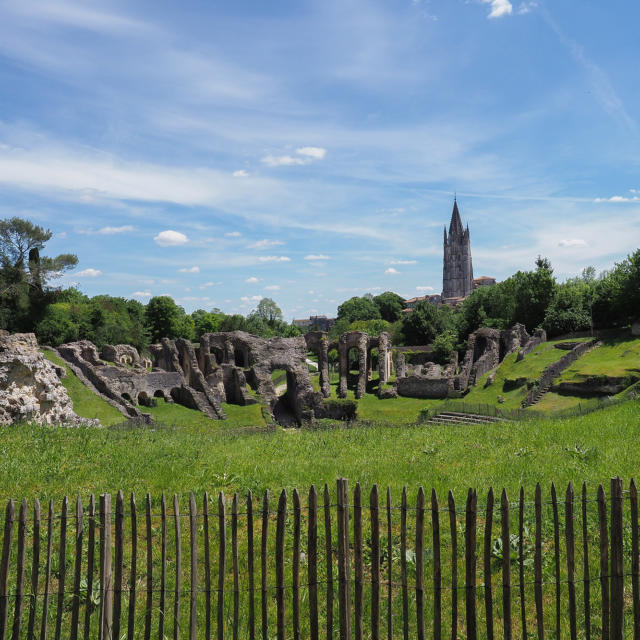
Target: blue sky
[(309, 151)]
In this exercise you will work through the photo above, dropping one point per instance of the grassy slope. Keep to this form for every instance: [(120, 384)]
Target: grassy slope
[(49, 462), (85, 403), (616, 357), (530, 367)]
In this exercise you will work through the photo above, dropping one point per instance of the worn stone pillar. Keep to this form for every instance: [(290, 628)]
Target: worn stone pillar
[(363, 369), (343, 365), (384, 357), (401, 366), (323, 366)]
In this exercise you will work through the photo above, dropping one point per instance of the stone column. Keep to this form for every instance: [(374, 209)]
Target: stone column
[(363, 368), (343, 365), (323, 366), (384, 353)]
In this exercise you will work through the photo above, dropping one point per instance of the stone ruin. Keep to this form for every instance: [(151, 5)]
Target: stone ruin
[(486, 349), (236, 367), (30, 387), (233, 367), (318, 343)]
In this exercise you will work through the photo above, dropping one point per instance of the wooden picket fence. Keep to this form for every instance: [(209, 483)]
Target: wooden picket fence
[(387, 571)]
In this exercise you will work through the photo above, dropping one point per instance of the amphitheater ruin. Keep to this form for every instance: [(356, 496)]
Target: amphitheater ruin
[(238, 368)]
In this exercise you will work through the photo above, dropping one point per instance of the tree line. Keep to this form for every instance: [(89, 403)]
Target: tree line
[(29, 301)]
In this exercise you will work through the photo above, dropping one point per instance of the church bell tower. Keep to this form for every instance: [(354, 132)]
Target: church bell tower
[(457, 270)]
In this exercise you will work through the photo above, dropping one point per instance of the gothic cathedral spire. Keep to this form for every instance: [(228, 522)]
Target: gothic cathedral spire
[(457, 271)]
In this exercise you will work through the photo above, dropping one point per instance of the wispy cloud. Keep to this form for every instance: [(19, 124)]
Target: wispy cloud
[(265, 244), (306, 155), (499, 8), (109, 231), (572, 242), (403, 262), (240, 173), (194, 269), (316, 256), (317, 153), (391, 271), (274, 259), (252, 280), (272, 287), (619, 199), (88, 273)]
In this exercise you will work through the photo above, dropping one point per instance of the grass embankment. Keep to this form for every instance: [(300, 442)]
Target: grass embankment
[(51, 462), (617, 357), (530, 367), (86, 404)]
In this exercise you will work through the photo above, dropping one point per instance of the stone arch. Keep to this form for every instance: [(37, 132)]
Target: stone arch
[(144, 400), (358, 340), (127, 397)]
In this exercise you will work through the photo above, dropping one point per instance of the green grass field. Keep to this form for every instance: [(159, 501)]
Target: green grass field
[(53, 461)]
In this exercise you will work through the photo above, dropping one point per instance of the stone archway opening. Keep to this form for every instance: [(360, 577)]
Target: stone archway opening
[(285, 409)]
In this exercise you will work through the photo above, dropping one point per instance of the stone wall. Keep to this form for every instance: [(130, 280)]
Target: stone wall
[(420, 387)]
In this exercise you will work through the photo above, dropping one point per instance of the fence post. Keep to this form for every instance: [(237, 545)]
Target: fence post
[(106, 582), (343, 559), (617, 580), (470, 563)]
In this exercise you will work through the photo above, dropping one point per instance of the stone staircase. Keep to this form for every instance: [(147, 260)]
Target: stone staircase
[(455, 418), (555, 369), (538, 395)]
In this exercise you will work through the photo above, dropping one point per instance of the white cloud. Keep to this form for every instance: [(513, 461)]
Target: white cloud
[(210, 284), (251, 298), (88, 273), (190, 270), (62, 235), (283, 161), (265, 244), (312, 152), (317, 256), (141, 294), (252, 280), (572, 242), (526, 7), (403, 262), (423, 289), (274, 259), (240, 173), (109, 231), (499, 8), (309, 154), (171, 238), (273, 287), (233, 234), (619, 198), (391, 271)]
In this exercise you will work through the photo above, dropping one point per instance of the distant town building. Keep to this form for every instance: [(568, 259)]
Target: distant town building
[(411, 302), (483, 281), (314, 323)]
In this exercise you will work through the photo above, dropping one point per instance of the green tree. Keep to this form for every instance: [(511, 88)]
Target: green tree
[(269, 311), (425, 322), (390, 305), (165, 319), (358, 308), (25, 274)]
